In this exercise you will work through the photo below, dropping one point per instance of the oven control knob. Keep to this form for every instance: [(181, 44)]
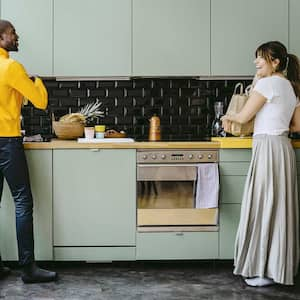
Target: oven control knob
[(191, 156), (200, 156), (209, 156), (163, 156), (153, 156), (144, 157)]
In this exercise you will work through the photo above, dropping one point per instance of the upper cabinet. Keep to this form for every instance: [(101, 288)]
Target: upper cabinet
[(239, 26), (33, 22), (171, 37), (92, 37), (148, 37), (294, 25)]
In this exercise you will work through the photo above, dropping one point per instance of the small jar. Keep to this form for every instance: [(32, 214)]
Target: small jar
[(99, 131)]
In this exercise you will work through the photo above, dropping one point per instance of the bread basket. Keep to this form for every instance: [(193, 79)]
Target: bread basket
[(68, 130)]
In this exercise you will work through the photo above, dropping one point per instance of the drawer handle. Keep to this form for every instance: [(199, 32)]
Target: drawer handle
[(95, 150), (179, 233)]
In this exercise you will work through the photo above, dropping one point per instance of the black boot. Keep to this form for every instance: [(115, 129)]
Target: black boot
[(4, 271), (33, 274)]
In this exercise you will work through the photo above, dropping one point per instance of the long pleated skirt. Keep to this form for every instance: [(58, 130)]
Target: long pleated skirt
[(267, 241)]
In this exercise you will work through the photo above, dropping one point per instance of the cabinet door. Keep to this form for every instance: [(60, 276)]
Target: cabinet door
[(92, 37), (238, 27), (229, 220), (171, 37), (94, 197), (40, 171), (232, 189), (33, 22), (294, 25)]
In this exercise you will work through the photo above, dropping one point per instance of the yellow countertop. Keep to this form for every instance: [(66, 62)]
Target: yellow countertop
[(241, 142), (73, 144)]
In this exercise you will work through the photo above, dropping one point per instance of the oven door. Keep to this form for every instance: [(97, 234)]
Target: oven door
[(166, 196)]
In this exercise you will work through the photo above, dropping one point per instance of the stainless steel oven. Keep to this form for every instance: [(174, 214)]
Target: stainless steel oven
[(166, 188)]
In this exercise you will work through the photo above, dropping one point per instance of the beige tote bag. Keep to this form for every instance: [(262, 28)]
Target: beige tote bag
[(237, 102)]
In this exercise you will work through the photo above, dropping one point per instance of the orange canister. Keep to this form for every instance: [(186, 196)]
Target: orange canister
[(154, 129)]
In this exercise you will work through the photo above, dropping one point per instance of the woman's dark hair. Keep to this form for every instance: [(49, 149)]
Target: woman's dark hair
[(4, 24), (288, 63)]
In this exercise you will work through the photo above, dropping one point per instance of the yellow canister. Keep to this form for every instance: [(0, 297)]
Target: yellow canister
[(100, 128)]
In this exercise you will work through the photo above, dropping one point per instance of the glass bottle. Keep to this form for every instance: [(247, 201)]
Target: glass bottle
[(217, 129)]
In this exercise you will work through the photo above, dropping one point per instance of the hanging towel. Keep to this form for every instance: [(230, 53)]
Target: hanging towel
[(207, 189)]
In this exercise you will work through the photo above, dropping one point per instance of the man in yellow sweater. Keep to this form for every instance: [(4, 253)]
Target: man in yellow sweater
[(15, 84)]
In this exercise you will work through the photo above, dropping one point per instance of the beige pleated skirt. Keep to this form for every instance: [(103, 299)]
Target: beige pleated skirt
[(267, 241)]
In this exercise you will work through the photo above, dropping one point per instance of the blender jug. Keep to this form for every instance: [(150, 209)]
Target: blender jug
[(217, 129)]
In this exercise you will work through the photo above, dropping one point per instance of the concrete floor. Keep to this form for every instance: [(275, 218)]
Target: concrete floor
[(143, 280)]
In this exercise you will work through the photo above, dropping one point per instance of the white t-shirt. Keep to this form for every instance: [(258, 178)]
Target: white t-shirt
[(275, 116)]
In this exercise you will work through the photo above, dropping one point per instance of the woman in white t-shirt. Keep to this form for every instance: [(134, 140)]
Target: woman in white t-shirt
[(267, 241)]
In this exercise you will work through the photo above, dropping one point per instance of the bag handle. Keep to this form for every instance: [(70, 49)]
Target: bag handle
[(248, 89), (238, 85)]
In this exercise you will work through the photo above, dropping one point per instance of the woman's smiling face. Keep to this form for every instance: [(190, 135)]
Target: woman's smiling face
[(265, 68)]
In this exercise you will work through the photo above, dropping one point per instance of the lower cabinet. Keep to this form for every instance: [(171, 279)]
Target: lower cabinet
[(40, 171), (94, 206), (229, 221), (234, 164), (176, 245), (297, 151)]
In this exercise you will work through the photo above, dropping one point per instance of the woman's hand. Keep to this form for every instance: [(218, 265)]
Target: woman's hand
[(226, 123)]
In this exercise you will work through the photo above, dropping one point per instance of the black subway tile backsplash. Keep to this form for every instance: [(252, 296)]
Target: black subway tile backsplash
[(143, 83), (93, 92), (185, 106), (75, 92), (116, 92), (135, 92)]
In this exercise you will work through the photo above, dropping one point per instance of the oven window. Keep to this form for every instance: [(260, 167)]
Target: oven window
[(165, 194)]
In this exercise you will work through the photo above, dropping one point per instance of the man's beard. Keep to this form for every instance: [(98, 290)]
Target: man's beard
[(13, 47)]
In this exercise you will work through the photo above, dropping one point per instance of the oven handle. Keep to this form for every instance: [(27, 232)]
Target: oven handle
[(170, 165), (166, 172)]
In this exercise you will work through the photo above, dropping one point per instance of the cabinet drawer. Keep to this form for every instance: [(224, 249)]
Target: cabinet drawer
[(234, 168), (236, 155), (177, 245)]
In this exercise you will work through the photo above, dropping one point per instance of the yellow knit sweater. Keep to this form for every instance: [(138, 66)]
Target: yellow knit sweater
[(14, 86)]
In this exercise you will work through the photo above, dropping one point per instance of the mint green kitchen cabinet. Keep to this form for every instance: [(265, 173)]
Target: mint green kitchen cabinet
[(239, 26), (40, 171), (33, 21), (234, 164), (297, 151), (92, 38), (229, 221), (94, 204), (294, 25), (171, 37), (176, 245)]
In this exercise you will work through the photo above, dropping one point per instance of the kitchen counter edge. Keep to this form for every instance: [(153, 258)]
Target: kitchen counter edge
[(65, 144), (216, 143)]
